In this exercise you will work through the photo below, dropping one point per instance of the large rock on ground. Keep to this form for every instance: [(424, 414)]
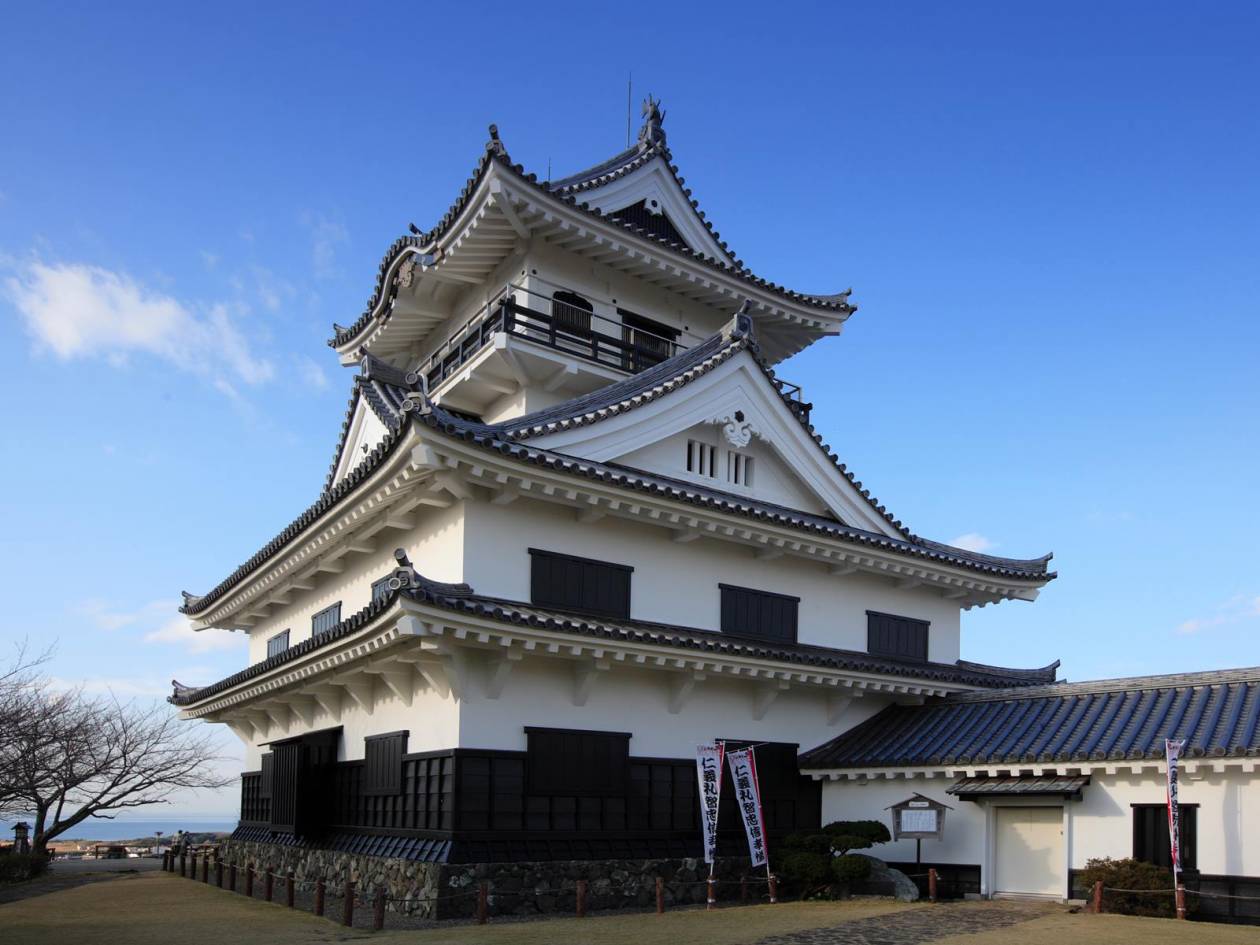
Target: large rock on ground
[(883, 878)]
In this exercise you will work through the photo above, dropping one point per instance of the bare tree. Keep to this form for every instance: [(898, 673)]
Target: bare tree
[(68, 757)]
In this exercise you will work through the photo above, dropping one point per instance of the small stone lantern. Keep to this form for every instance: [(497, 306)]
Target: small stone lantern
[(21, 837)]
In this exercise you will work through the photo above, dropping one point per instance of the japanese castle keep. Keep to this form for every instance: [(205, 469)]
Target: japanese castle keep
[(576, 525)]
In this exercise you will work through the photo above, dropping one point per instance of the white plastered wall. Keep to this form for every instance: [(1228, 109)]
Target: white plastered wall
[(1098, 825), (678, 583)]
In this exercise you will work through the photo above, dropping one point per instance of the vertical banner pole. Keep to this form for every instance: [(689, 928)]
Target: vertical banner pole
[(709, 773), (1172, 752), (743, 765)]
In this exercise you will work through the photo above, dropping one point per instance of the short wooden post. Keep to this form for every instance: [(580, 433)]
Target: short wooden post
[(205, 868), (269, 883), (165, 861), (581, 899), (932, 884), (660, 896), (378, 910), (773, 882), (347, 914), (288, 891), (183, 863), (483, 902), (249, 880), (1181, 901), (232, 877), (218, 872), (711, 899), (1096, 899), (743, 890), (319, 896)]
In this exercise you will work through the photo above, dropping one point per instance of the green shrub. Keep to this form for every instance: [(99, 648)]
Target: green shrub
[(1133, 874), (846, 835), (803, 872), (850, 868), (19, 867)]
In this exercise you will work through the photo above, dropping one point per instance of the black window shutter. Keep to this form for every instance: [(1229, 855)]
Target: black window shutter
[(572, 583), (278, 643), (759, 615), (1151, 843), (383, 763), (902, 638), (577, 763), (326, 619), (264, 787)]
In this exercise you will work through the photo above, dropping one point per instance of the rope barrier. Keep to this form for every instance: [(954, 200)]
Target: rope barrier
[(1172, 892)]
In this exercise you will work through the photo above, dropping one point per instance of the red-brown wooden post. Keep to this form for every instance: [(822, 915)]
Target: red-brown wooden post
[(932, 884), (249, 880), (319, 896), (183, 863), (347, 914), (483, 902), (288, 892), (743, 890), (1181, 901), (232, 877), (218, 872), (269, 883), (378, 910), (1096, 899), (711, 898), (581, 899), (773, 882), (205, 868), (660, 896)]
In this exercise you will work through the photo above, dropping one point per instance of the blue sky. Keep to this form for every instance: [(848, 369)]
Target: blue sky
[(1050, 220)]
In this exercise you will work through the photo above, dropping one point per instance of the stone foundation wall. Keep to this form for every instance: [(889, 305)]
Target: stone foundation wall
[(447, 891)]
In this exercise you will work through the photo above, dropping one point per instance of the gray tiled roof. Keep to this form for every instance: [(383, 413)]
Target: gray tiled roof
[(460, 598), (1005, 786), (1216, 713), (379, 383), (495, 153)]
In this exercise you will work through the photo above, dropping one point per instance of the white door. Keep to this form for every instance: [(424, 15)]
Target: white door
[(1029, 852)]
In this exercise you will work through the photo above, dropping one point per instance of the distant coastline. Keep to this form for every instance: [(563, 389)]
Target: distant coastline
[(133, 829)]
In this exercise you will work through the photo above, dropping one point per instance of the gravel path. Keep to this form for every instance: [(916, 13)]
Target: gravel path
[(919, 925)]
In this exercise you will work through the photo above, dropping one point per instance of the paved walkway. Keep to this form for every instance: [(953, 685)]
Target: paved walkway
[(918, 925), (66, 874)]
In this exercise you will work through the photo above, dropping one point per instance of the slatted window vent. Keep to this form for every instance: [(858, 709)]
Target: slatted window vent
[(739, 469), (278, 644), (701, 459), (326, 619)]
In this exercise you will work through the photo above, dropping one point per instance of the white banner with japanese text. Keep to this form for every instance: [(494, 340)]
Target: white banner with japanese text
[(709, 773), (1172, 750), (748, 796)]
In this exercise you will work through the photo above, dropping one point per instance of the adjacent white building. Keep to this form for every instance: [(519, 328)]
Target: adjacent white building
[(575, 524)]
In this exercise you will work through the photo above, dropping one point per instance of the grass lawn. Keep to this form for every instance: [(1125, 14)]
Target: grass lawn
[(158, 909)]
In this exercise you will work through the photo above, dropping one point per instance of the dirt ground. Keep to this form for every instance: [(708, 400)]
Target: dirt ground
[(158, 908)]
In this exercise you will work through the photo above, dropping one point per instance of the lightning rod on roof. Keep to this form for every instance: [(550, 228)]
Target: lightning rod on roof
[(629, 109)]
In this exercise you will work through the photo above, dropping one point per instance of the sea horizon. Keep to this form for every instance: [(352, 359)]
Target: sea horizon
[(132, 829)]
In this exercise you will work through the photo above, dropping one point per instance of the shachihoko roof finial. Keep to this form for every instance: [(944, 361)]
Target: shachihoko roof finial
[(652, 133), (495, 144)]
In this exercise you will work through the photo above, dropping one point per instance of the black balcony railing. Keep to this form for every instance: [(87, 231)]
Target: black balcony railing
[(557, 324)]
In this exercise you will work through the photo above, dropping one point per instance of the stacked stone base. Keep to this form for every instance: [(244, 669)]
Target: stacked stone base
[(449, 890)]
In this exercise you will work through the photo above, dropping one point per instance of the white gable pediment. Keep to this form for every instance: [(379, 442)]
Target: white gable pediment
[(364, 432), (736, 410), (656, 186)]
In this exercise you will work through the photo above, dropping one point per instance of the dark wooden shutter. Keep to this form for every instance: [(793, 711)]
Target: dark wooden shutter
[(759, 615), (383, 757), (264, 785), (1151, 843), (278, 643), (571, 583), (326, 619), (285, 769), (577, 763), (902, 638), (571, 313)]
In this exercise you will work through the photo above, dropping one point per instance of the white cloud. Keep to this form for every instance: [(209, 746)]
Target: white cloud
[(210, 259), (106, 617), (273, 292), (178, 630), (115, 685), (1239, 608), (76, 310), (311, 373), (326, 236), (973, 541)]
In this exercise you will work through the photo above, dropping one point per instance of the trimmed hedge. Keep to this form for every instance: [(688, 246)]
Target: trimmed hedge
[(1134, 874)]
